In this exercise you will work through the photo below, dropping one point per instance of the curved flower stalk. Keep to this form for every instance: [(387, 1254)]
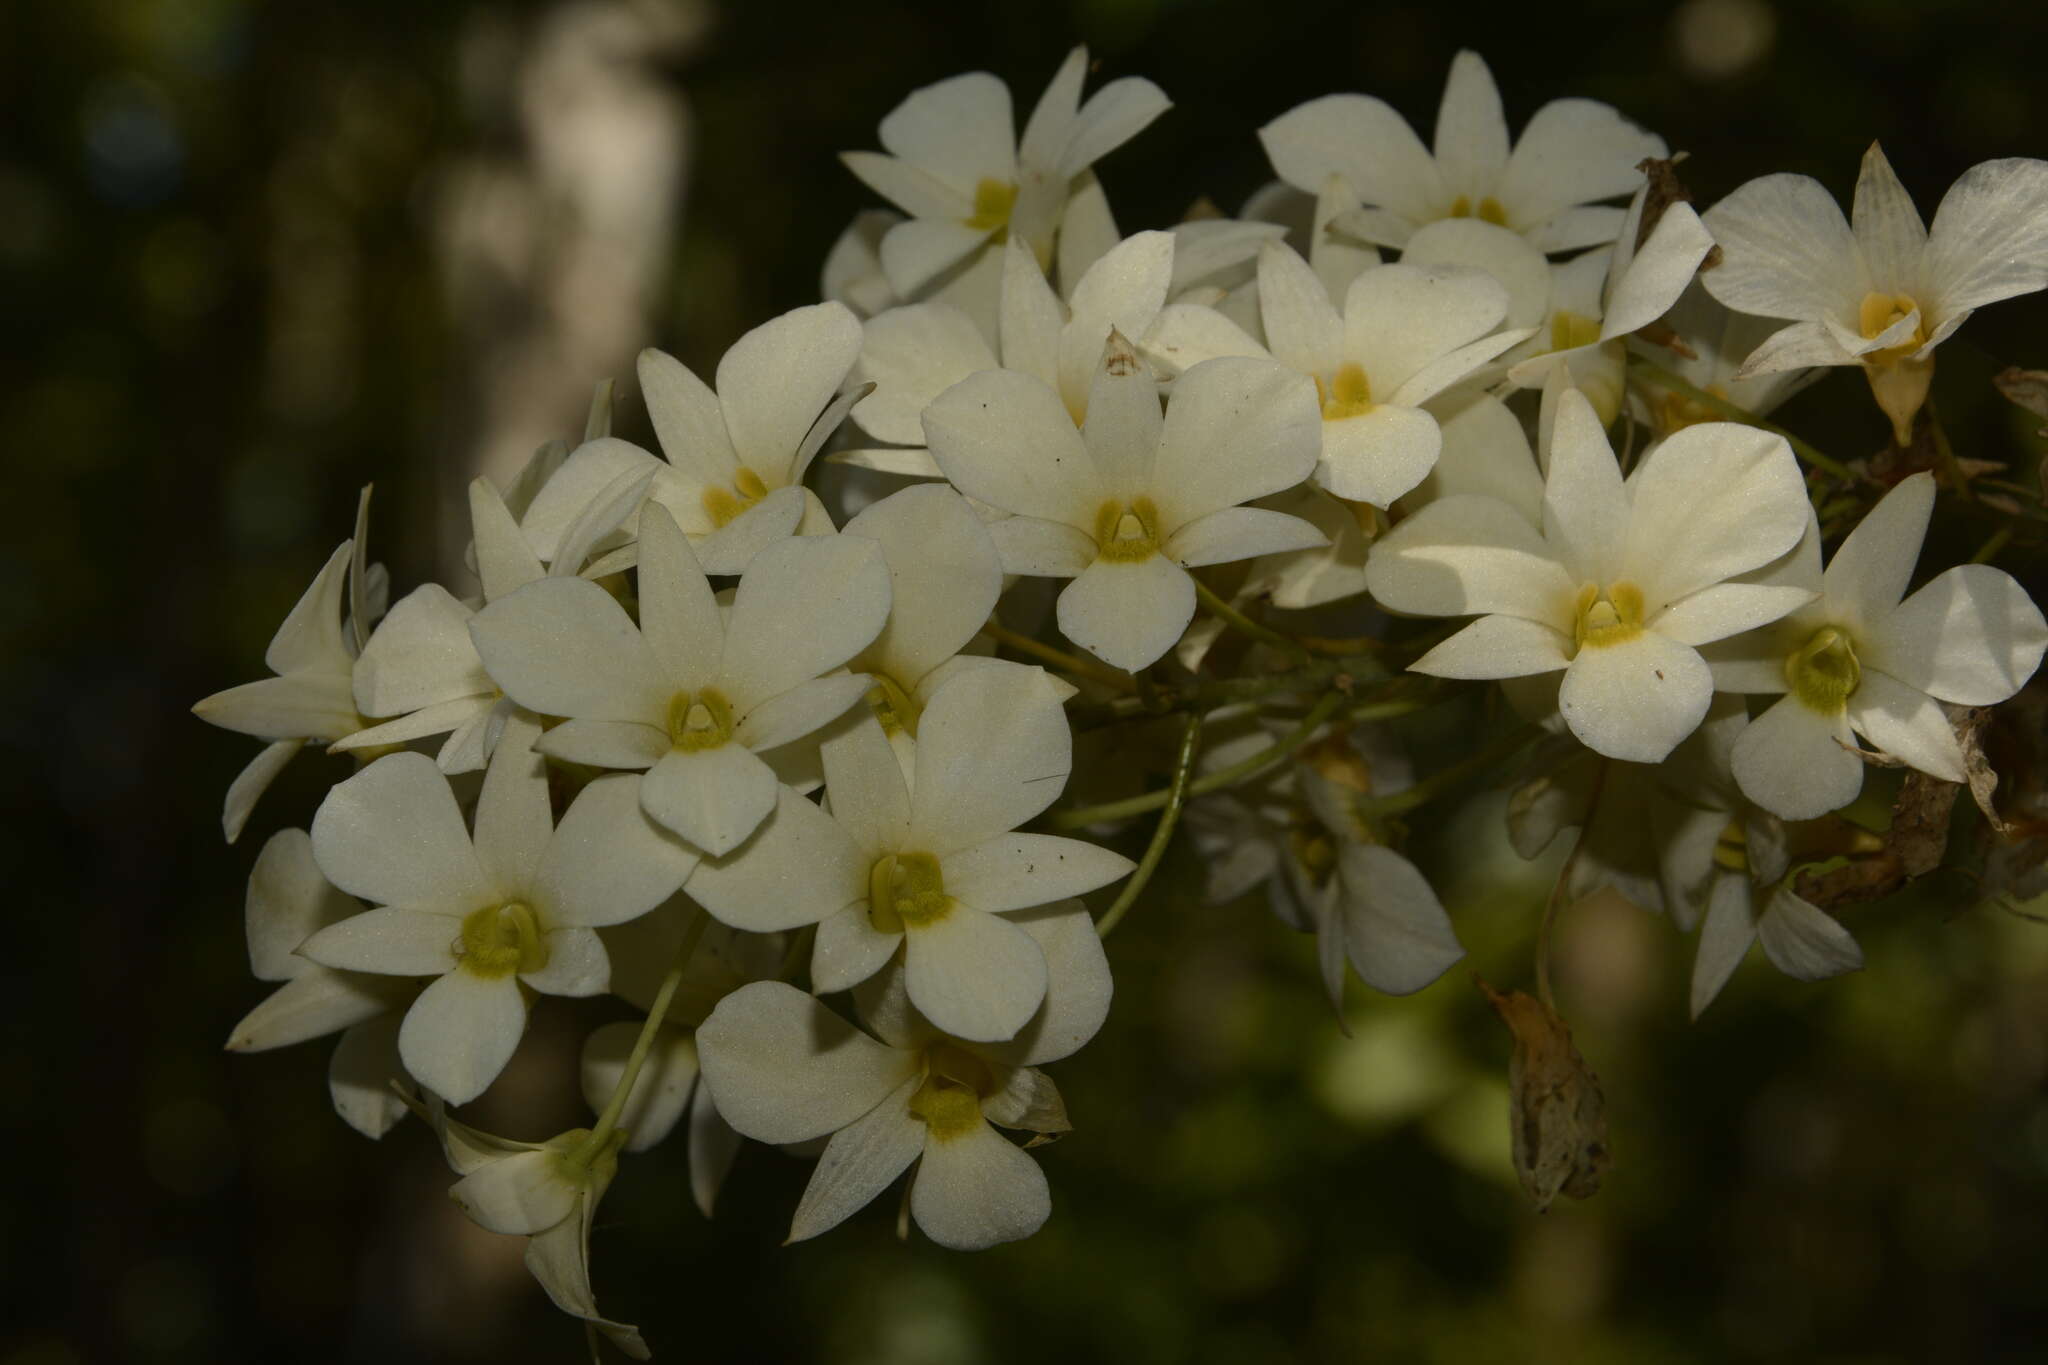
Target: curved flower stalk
[(1572, 154), (1886, 291), (1622, 583), (785, 1069), (546, 1192), (1132, 501), (668, 1091), (969, 184), (912, 355), (288, 902), (313, 654), (686, 694), (1859, 658), (1405, 335), (933, 866), (733, 479), (515, 904)]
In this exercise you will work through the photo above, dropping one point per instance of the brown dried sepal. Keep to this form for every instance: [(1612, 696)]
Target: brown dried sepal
[(1558, 1118), (1969, 722), (1666, 189), (2026, 388)]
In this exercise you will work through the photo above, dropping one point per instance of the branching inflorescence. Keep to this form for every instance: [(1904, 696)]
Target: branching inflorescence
[(698, 740)]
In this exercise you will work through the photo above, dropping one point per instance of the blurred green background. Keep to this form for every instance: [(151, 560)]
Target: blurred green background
[(253, 256)]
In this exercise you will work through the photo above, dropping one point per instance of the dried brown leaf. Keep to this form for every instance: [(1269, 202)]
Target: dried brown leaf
[(2026, 388), (1558, 1120), (1970, 722)]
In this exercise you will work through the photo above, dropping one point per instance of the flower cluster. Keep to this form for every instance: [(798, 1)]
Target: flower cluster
[(772, 769)]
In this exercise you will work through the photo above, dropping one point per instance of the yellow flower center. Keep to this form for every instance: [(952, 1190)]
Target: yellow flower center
[(1569, 330), (949, 1101), (699, 721), (723, 504), (1489, 210), (1313, 852), (1676, 412), (499, 940), (1347, 394), (892, 705), (1880, 311), (906, 891), (1126, 533), (1608, 618), (1731, 850), (993, 200), (1824, 672)]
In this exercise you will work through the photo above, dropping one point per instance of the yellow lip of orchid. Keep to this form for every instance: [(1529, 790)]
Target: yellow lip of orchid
[(1126, 533)]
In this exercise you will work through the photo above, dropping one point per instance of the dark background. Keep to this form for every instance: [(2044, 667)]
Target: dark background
[(227, 305)]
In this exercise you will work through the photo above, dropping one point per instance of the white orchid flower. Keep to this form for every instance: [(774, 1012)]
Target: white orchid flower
[(313, 654), (733, 479), (957, 167), (914, 354), (1132, 501), (932, 866), (1859, 659), (515, 904), (686, 694), (534, 1190), (1405, 334), (785, 1069), (1573, 153), (420, 664), (1886, 291), (288, 902), (1620, 585)]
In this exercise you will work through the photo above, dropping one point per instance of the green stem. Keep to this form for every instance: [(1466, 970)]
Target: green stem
[(1058, 658), (1176, 796), (1557, 891), (1945, 454), (1990, 548), (1238, 621), (1208, 693), (1216, 781), (608, 1121), (1437, 783), (1664, 378), (599, 422)]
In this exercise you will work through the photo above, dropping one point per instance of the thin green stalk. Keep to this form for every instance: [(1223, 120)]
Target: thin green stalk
[(1945, 454), (1208, 693), (1664, 378), (1176, 795), (1216, 781), (1238, 621), (1990, 548), (1437, 783), (1058, 658), (1557, 890), (608, 1121), (599, 422)]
